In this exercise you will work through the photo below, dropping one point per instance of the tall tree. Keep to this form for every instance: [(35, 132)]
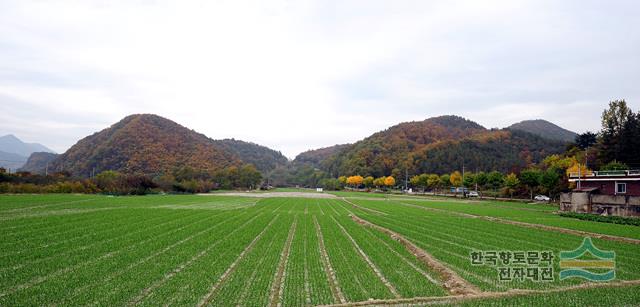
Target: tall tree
[(444, 181), (433, 181), (482, 179), (456, 179), (511, 182), (531, 179), (495, 179), (586, 140), (629, 145), (549, 181), (614, 120)]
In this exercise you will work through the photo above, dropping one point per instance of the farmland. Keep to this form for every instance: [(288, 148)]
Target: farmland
[(290, 251)]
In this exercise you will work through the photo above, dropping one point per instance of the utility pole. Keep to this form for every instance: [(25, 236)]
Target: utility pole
[(586, 156), (463, 192), (579, 176), (406, 179)]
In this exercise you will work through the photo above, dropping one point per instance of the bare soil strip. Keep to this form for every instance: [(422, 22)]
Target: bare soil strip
[(205, 300), (274, 194), (439, 300), (277, 286), (451, 280), (363, 208), (366, 258), (411, 264), (145, 292), (419, 270), (333, 281), (536, 226)]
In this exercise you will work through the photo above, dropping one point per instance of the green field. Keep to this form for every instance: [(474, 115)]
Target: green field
[(219, 250)]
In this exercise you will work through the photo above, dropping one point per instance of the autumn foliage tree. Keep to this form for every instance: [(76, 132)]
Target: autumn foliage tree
[(368, 182), (456, 179), (511, 182), (379, 182), (389, 181), (355, 181)]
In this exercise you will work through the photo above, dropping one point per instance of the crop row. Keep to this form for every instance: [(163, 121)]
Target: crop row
[(452, 238)]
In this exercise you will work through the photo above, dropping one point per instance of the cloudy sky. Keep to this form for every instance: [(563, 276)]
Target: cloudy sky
[(295, 75)]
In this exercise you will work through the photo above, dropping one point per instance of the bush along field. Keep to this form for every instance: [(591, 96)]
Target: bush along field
[(259, 251)]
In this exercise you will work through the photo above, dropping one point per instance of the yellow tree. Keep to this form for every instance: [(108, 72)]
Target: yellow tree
[(389, 181), (355, 181), (433, 181), (378, 182), (511, 182), (456, 179), (368, 182)]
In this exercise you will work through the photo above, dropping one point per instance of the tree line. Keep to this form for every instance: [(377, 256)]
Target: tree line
[(183, 180)]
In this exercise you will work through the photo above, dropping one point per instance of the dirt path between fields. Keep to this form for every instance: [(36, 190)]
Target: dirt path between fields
[(452, 282), (531, 225), (273, 194), (439, 300), (363, 208), (366, 258)]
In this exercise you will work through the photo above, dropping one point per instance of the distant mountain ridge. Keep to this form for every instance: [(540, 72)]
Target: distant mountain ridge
[(263, 158), (38, 162), (545, 129), (14, 152), (10, 143), (438, 144)]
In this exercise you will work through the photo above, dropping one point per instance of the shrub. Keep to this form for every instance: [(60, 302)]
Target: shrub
[(603, 219)]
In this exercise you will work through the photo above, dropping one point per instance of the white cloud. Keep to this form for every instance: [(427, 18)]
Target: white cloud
[(305, 74)]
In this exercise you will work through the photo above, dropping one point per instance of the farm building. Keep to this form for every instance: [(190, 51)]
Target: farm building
[(604, 193)]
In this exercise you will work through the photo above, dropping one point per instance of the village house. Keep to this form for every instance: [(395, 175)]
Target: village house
[(604, 193)]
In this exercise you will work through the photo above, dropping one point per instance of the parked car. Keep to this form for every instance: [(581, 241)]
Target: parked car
[(542, 198), (473, 194)]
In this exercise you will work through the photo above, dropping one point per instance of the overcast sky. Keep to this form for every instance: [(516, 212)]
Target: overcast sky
[(296, 75)]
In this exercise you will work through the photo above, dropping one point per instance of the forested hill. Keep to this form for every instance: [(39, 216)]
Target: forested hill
[(545, 129), (439, 144), (145, 144), (263, 158), (38, 162), (316, 157)]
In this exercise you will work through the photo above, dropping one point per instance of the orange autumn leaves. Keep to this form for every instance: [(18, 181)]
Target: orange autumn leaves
[(357, 180)]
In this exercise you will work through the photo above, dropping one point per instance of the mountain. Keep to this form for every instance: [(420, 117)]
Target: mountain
[(316, 157), (144, 143), (263, 158), (11, 161), (38, 162), (14, 152), (11, 144), (545, 129), (439, 144)]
